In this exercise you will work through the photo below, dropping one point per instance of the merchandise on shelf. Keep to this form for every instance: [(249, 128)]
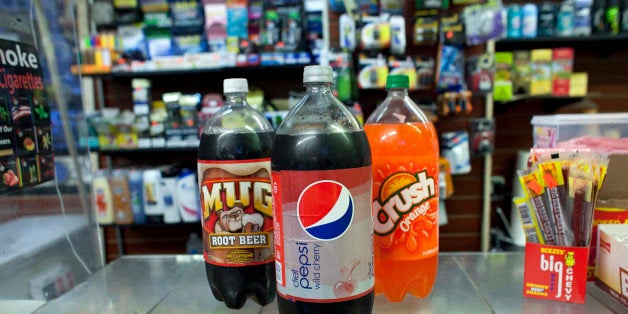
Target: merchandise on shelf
[(426, 25), (483, 22), (538, 72), (347, 30), (541, 70), (404, 66), (547, 19), (562, 67), (372, 71), (201, 34), (521, 72), (452, 30), (451, 70), (425, 68), (480, 72), (568, 18), (151, 195), (455, 148), (375, 32)]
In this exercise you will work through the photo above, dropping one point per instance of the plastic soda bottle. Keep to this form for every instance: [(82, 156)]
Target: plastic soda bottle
[(321, 179), (404, 146), (236, 200)]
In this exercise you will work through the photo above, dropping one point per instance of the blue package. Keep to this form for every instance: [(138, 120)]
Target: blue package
[(582, 17), (451, 70), (514, 21), (529, 20), (237, 22), (565, 20)]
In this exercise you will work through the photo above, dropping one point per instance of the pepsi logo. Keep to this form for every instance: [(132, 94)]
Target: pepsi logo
[(325, 210)]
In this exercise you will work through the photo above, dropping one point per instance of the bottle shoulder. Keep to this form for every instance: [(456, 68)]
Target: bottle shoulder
[(237, 118), (397, 110), (319, 113)]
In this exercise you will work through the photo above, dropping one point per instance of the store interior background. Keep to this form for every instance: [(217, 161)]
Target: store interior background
[(603, 58)]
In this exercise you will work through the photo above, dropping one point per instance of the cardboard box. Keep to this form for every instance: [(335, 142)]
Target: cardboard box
[(541, 69), (562, 66), (522, 74), (503, 87), (612, 203), (578, 84), (611, 271)]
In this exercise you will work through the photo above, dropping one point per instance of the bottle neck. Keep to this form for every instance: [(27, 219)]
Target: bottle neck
[(318, 87), (235, 99), (398, 92)]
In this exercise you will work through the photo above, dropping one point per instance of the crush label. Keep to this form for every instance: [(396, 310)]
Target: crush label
[(324, 232), (405, 211), (236, 203)]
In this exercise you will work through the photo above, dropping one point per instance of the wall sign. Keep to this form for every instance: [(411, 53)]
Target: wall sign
[(26, 155)]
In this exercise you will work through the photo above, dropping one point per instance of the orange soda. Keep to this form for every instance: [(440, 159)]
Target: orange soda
[(404, 148)]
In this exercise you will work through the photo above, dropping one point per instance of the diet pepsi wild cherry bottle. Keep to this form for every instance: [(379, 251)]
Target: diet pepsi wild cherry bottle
[(236, 201), (321, 182)]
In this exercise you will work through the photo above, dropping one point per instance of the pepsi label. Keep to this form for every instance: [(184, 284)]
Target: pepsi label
[(323, 234)]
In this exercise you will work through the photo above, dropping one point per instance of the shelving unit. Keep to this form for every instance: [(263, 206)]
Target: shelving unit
[(471, 209)]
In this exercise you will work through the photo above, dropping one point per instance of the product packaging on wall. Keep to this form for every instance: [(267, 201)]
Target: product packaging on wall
[(153, 35)]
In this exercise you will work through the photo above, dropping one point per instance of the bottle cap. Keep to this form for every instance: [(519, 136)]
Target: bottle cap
[(318, 73), (235, 85), (397, 81)]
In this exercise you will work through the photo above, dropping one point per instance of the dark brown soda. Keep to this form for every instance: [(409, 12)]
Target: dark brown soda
[(233, 285)]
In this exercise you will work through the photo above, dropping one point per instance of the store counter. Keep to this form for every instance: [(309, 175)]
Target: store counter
[(466, 283)]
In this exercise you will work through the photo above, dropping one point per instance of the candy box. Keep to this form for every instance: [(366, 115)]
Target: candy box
[(557, 273), (611, 270)]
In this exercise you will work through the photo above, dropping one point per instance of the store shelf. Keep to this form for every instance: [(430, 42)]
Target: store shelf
[(569, 39), (189, 71), (516, 98), (147, 150), (603, 45), (152, 225)]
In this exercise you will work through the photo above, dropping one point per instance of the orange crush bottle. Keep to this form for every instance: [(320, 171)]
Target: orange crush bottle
[(404, 147)]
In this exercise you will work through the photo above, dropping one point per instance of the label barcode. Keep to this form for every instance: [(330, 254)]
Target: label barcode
[(531, 235), (278, 272), (526, 220)]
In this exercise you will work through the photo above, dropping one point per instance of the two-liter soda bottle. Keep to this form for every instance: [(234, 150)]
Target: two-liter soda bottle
[(236, 200), (321, 181), (404, 147)]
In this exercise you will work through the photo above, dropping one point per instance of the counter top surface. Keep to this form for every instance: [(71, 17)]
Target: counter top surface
[(466, 283)]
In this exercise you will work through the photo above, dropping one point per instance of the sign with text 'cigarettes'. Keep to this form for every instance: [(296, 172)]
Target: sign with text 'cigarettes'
[(26, 155)]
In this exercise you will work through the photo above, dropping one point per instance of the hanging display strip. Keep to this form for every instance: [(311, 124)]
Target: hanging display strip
[(26, 155)]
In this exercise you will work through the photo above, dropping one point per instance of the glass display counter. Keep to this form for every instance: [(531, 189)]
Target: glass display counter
[(466, 283)]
